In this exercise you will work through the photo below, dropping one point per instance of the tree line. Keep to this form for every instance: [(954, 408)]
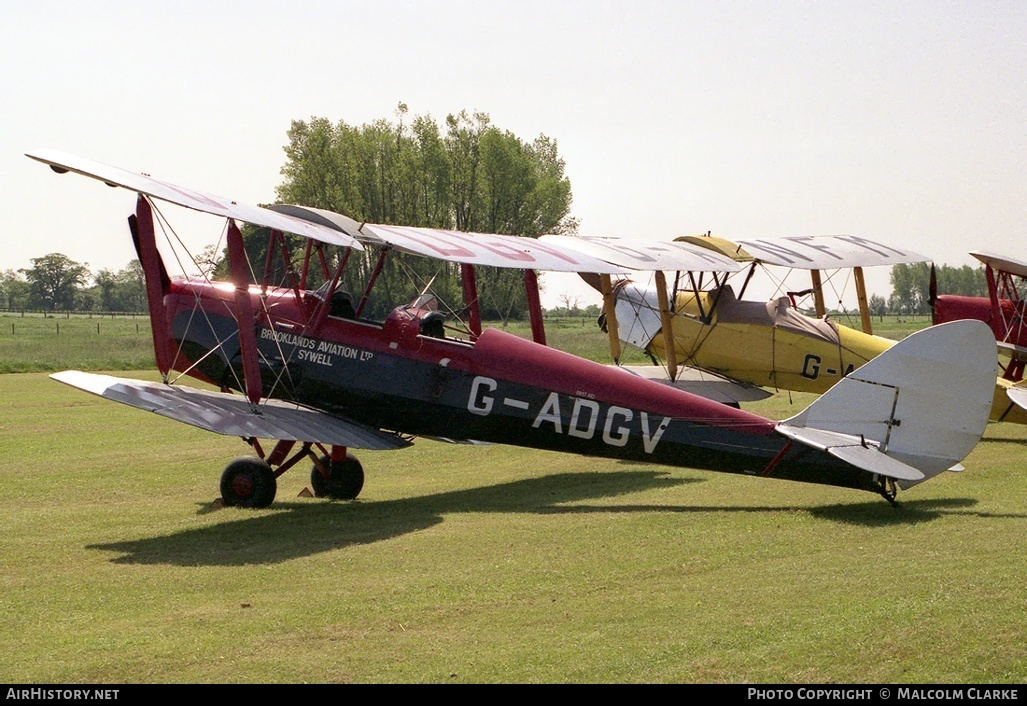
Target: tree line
[(911, 286), (55, 283)]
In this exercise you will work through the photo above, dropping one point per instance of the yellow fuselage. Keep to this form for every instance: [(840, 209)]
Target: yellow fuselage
[(783, 357)]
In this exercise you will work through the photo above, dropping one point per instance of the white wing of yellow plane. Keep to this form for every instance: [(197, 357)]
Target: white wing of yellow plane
[(648, 316), (648, 255), (827, 252)]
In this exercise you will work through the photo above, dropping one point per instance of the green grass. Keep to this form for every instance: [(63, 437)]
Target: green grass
[(488, 564), (478, 564), (35, 343), (894, 327)]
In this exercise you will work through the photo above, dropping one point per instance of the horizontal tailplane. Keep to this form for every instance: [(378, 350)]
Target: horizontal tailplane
[(912, 412), (1018, 394)]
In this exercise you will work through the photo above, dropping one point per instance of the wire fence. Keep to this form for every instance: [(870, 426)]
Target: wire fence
[(42, 313), (24, 323), (15, 329)]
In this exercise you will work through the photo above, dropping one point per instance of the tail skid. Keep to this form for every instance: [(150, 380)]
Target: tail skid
[(914, 411)]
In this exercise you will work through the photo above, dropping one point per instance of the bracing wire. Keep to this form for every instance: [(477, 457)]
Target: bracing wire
[(172, 237)]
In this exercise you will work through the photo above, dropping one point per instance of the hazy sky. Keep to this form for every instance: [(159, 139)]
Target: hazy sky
[(904, 122)]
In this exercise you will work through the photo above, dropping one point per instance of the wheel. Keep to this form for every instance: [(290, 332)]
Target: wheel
[(248, 482), (345, 479)]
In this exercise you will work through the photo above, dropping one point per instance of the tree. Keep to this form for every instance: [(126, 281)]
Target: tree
[(54, 281), (878, 305), (471, 177), (14, 290), (570, 302), (105, 284), (966, 281), (124, 290), (911, 285)]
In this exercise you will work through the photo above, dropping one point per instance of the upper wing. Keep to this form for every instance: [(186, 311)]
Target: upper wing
[(190, 198), (233, 415), (647, 255), (489, 249), (828, 252), (1002, 263), (457, 246), (689, 254)]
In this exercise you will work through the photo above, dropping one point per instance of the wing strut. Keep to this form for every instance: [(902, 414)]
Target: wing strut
[(610, 307), (538, 330), (277, 241), (668, 326), (861, 297), (818, 293), (325, 305), (996, 308), (370, 282), (244, 310), (471, 298)]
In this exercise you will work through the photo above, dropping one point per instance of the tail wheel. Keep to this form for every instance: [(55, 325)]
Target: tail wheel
[(888, 490), (248, 482), (344, 481)]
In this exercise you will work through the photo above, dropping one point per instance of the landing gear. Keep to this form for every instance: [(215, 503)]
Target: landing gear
[(248, 482), (888, 490), (344, 480)]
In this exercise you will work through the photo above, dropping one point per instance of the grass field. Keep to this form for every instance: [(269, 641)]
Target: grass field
[(37, 343), (489, 564)]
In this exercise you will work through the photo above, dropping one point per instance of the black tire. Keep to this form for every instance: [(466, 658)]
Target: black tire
[(248, 482), (345, 478)]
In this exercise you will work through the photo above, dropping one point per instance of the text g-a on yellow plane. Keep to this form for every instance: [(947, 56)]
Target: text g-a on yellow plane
[(732, 349)]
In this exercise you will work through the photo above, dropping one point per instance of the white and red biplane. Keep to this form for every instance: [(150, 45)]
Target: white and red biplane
[(304, 369)]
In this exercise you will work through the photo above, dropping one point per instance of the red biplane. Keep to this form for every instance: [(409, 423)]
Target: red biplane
[(1002, 309), (306, 370)]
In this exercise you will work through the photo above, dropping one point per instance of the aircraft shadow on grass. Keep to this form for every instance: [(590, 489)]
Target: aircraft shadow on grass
[(988, 440), (301, 529), (909, 512), (304, 529)]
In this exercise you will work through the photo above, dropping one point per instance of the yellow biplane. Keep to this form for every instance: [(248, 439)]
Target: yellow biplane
[(757, 345)]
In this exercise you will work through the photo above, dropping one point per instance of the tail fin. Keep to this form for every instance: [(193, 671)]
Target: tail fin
[(912, 412), (157, 282)]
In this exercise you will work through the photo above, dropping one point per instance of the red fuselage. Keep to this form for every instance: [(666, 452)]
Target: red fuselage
[(499, 388), (1008, 325)]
